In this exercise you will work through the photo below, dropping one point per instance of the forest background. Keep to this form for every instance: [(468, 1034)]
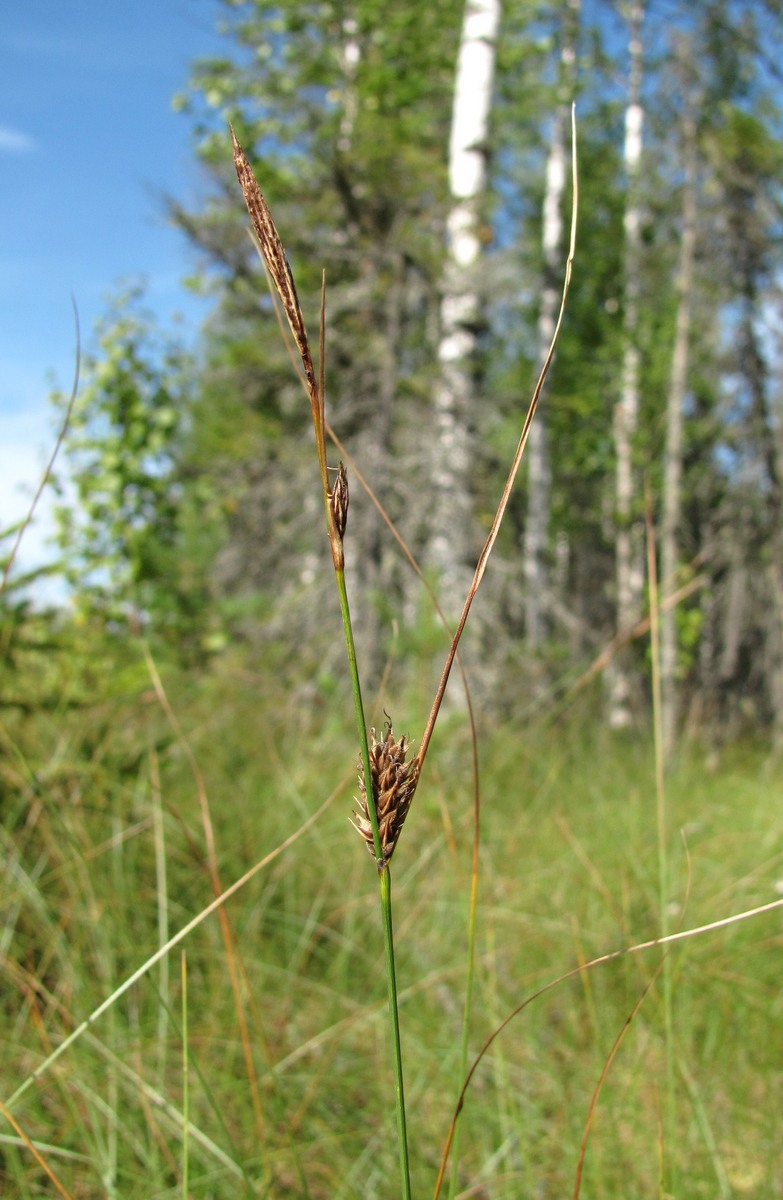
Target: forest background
[(420, 157)]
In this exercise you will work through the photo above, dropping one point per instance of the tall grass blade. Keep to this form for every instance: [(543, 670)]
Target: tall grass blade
[(185, 1091), (336, 505), (670, 1145), (155, 958)]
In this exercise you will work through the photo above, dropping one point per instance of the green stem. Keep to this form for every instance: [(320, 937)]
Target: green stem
[(454, 1178), (185, 1097), (670, 1174), (385, 885), (358, 705), (391, 977)]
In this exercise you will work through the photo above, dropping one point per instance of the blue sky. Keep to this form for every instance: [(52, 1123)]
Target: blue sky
[(88, 144)]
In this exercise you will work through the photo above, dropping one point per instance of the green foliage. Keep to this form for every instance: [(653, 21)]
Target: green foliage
[(193, 478), (29, 641), (96, 802), (120, 454), (133, 537), (351, 154), (196, 517)]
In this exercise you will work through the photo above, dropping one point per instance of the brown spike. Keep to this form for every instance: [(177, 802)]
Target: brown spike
[(338, 500), (393, 785), (275, 258)]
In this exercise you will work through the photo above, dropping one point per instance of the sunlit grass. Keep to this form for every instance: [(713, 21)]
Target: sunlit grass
[(568, 871)]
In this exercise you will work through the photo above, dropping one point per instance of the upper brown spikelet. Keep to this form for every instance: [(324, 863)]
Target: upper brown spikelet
[(275, 258), (268, 240), (393, 784)]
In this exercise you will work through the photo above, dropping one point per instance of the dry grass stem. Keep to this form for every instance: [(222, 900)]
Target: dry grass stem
[(503, 503)]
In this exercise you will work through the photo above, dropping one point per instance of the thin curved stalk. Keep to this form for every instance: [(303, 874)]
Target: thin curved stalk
[(336, 507), (385, 892)]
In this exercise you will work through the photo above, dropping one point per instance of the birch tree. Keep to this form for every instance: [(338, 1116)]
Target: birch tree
[(628, 539), (451, 541), (538, 466)]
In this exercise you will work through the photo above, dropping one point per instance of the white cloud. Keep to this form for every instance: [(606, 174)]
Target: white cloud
[(13, 141)]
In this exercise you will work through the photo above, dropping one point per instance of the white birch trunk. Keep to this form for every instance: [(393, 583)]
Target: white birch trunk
[(629, 553), (451, 542), (350, 56), (674, 415), (534, 555)]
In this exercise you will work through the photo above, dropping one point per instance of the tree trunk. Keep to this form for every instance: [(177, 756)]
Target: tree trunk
[(537, 452), (763, 420), (750, 238), (451, 543), (674, 412), (629, 557)]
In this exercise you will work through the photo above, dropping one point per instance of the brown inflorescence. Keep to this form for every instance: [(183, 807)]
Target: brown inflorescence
[(274, 257), (393, 784), (338, 500)]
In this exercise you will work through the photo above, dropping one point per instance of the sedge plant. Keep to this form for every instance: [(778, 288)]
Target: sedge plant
[(388, 776)]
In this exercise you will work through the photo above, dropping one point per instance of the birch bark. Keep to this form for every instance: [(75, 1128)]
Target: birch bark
[(629, 557), (450, 540)]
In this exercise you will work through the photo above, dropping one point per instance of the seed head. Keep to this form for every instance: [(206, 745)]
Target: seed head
[(393, 783), (338, 500)]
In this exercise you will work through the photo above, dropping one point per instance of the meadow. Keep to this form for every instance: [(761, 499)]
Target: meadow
[(106, 859), (197, 977)]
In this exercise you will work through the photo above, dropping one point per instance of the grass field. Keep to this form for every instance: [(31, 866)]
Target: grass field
[(104, 846)]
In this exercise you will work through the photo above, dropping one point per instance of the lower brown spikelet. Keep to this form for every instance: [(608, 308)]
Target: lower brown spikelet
[(393, 784), (338, 500)]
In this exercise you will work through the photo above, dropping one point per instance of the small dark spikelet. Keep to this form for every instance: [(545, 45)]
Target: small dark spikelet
[(393, 785), (338, 500)]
